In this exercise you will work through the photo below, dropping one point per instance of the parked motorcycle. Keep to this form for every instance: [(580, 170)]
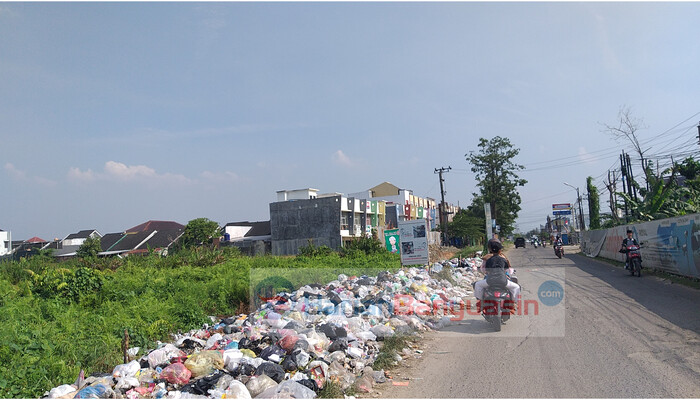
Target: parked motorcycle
[(559, 250), (634, 259)]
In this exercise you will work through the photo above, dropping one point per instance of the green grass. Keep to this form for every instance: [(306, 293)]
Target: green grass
[(390, 348), (47, 336)]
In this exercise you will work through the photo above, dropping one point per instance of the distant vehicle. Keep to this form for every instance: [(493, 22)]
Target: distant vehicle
[(520, 242)]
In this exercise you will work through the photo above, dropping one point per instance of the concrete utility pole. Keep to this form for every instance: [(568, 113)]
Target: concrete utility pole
[(443, 211), (582, 225)]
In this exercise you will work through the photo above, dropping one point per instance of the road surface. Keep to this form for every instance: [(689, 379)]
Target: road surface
[(616, 336)]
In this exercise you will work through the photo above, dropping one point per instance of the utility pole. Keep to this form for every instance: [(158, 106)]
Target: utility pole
[(443, 211), (698, 132), (623, 169)]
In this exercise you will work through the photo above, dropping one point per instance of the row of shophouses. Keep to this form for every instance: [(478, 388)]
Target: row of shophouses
[(297, 218)]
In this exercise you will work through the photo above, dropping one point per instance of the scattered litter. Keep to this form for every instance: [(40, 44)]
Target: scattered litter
[(294, 343)]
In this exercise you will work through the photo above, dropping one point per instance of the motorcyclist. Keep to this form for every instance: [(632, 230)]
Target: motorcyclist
[(495, 266), (628, 241), (558, 242)]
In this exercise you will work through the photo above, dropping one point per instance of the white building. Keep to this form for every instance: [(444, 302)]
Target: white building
[(5, 242)]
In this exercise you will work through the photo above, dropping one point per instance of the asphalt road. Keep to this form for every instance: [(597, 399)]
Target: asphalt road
[(611, 336)]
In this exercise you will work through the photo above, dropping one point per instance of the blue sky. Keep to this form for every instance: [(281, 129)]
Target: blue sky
[(112, 114)]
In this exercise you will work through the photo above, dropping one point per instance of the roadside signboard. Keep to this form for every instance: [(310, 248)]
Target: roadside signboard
[(414, 242)]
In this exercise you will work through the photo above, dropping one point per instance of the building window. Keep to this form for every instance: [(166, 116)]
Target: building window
[(344, 222)]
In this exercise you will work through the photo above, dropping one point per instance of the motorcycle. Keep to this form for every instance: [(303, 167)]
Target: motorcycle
[(634, 259), (498, 303), (559, 250), (535, 244)]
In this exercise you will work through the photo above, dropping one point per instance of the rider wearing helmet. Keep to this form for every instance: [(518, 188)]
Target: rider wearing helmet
[(628, 241), (495, 266)]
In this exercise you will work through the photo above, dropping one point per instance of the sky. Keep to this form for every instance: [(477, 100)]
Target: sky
[(112, 114)]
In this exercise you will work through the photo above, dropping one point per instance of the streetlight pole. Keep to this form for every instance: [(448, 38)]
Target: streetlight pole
[(580, 209)]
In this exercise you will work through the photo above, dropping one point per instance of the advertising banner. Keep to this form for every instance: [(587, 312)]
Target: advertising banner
[(671, 244), (391, 238), (414, 242)]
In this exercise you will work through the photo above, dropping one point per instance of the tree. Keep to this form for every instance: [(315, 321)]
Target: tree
[(593, 204), (469, 224), (497, 180), (90, 247), (198, 232), (626, 128), (663, 199)]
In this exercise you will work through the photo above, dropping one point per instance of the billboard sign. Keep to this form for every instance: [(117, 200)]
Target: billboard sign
[(561, 206), (414, 242)]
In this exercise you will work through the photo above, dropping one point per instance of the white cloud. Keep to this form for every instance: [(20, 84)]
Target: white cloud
[(126, 173), (75, 174), (20, 175), (340, 158), (14, 172)]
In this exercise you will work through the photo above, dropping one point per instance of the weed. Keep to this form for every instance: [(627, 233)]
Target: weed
[(391, 347), (331, 390)]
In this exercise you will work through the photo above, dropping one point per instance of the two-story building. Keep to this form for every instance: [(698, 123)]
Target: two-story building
[(301, 216)]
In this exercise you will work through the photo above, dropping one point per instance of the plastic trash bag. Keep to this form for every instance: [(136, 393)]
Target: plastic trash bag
[(203, 385), (127, 383), (365, 336), (287, 390), (163, 355), (382, 331), (272, 370), (61, 391), (338, 345), (258, 384), (354, 352), (99, 391), (176, 374), (126, 370), (288, 342), (289, 363), (364, 384), (237, 390), (339, 373), (213, 340), (273, 353), (204, 363)]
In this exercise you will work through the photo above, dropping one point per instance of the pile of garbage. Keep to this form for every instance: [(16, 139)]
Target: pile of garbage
[(292, 345)]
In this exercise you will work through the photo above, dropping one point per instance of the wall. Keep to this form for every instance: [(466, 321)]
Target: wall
[(293, 223), (671, 244), (5, 248)]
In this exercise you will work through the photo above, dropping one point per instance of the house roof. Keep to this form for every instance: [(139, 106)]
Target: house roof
[(66, 251), (110, 239), (35, 240), (129, 241), (81, 235), (161, 239), (156, 225), (261, 228)]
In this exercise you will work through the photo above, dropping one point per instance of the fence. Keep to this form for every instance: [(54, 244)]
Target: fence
[(671, 244)]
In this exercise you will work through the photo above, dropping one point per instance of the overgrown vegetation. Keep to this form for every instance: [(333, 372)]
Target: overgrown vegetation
[(58, 318), (390, 349)]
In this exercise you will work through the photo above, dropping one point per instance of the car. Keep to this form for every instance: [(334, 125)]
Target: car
[(519, 242)]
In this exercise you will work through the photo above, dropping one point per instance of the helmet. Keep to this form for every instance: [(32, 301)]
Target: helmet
[(495, 245)]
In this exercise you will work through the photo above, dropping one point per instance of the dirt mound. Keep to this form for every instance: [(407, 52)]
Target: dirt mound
[(439, 253)]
